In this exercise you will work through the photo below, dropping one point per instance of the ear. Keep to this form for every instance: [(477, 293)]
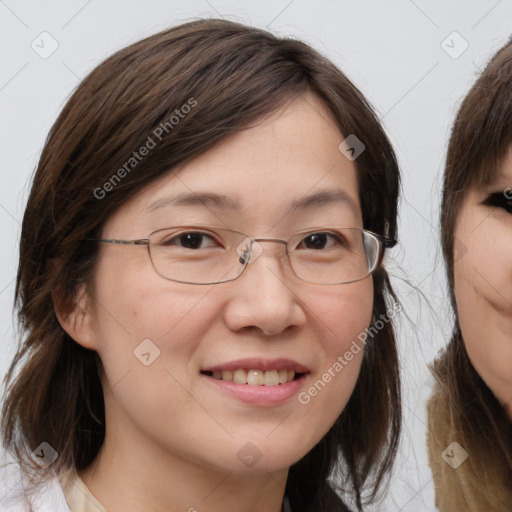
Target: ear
[(75, 316)]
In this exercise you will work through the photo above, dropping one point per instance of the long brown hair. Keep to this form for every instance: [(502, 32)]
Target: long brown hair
[(480, 139), (233, 76)]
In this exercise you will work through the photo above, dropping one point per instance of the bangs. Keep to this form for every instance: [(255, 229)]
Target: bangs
[(490, 170), (482, 132)]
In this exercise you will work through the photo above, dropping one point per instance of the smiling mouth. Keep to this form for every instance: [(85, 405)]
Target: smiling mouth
[(253, 377)]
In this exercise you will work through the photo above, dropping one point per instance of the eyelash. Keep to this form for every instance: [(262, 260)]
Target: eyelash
[(498, 200)]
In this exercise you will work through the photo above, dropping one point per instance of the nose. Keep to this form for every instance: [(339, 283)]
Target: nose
[(264, 298)]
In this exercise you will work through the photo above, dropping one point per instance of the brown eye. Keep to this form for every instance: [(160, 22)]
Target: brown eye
[(321, 240), (316, 241), (189, 240)]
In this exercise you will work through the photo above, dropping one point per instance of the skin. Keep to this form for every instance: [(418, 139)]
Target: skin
[(171, 437), (483, 278)]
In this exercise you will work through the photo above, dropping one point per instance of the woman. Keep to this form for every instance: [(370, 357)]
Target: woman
[(470, 413), (173, 362)]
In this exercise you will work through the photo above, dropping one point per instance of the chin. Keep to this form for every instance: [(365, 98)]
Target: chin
[(262, 456)]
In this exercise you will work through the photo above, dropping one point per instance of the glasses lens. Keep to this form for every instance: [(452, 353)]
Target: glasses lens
[(334, 255), (197, 255), (372, 249)]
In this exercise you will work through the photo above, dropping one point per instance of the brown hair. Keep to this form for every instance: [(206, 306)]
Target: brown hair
[(236, 75), (480, 139)]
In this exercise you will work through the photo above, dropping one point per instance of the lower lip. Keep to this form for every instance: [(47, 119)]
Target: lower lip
[(258, 395)]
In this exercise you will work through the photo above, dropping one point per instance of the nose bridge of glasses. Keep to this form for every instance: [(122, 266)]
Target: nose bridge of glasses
[(251, 246)]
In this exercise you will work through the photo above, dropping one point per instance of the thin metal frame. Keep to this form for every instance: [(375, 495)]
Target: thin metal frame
[(385, 243)]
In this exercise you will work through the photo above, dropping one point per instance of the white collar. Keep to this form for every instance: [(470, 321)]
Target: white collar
[(15, 498)]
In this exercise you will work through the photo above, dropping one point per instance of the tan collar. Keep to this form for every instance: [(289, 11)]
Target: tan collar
[(79, 498)]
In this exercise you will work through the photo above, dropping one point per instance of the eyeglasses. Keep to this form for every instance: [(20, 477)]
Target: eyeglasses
[(212, 255)]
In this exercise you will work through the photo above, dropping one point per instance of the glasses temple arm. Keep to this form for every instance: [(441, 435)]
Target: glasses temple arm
[(142, 241), (387, 243)]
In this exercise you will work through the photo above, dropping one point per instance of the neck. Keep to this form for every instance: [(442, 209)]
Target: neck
[(132, 476)]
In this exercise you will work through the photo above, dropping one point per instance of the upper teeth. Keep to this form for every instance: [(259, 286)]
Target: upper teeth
[(256, 377)]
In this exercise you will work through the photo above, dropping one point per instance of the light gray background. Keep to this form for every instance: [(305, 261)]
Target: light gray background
[(392, 50)]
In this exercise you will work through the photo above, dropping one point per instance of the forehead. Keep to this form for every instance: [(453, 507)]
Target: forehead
[(288, 157)]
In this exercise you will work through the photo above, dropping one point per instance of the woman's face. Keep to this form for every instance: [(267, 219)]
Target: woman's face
[(483, 281), (159, 395)]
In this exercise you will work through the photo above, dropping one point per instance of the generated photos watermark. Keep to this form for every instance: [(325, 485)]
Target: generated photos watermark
[(44, 455), (151, 142), (454, 455), (343, 360)]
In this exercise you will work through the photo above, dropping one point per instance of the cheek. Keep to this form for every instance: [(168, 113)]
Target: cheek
[(145, 325), (483, 269), (483, 291), (143, 305), (343, 320), (148, 340), (343, 314)]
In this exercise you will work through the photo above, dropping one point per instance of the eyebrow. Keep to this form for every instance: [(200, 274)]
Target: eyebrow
[(221, 201)]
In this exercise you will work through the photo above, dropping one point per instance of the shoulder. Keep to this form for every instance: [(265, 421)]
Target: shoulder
[(12, 492), (446, 455), (454, 467), (439, 422), (17, 495)]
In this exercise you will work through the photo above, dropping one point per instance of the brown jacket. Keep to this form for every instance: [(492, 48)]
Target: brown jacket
[(456, 478)]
